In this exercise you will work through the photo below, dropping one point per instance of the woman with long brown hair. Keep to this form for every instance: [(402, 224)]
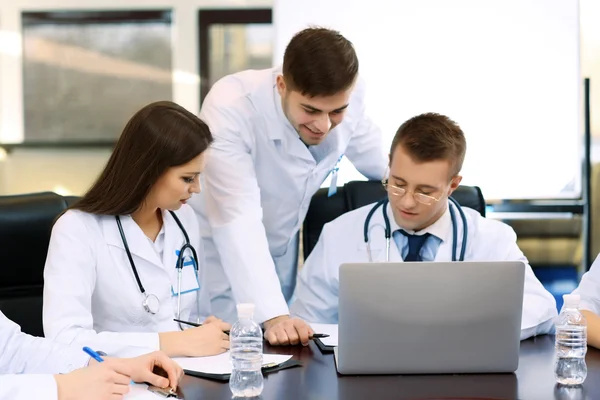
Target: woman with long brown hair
[(125, 261)]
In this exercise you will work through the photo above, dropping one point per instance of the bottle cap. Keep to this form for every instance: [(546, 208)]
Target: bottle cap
[(245, 310), (571, 300)]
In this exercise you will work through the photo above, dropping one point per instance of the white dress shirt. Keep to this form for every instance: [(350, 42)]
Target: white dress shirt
[(342, 241), (27, 363)]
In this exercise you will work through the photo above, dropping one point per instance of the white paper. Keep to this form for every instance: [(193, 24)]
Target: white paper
[(220, 364), (140, 392), (330, 329)]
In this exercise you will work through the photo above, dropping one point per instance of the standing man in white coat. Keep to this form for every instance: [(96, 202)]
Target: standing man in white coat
[(27, 364), (426, 157), (278, 134)]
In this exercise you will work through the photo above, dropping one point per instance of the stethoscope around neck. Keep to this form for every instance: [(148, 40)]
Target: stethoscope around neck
[(388, 230), (151, 303)]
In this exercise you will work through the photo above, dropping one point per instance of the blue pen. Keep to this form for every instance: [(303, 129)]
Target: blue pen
[(97, 357), (93, 354)]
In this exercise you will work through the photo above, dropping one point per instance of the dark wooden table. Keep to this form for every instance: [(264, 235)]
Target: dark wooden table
[(317, 379)]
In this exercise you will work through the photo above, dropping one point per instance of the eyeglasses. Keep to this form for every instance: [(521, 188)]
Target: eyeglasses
[(400, 192)]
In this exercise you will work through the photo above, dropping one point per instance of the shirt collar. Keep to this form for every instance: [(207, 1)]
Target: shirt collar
[(277, 103), (440, 228)]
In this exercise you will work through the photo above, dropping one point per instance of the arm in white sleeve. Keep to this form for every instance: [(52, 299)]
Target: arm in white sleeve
[(69, 281), (22, 353), (589, 289), (539, 306), (234, 212), (316, 297), (28, 387), (27, 363)]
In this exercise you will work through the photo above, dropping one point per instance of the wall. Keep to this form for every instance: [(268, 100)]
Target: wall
[(185, 79), (71, 171), (64, 171), (507, 71)]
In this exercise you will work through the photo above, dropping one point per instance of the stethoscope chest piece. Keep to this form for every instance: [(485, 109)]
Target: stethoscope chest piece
[(151, 303)]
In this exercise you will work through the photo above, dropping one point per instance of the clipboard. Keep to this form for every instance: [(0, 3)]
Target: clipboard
[(266, 369), (326, 345), (167, 393), (323, 347)]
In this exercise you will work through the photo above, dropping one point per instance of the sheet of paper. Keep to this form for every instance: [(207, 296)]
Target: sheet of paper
[(141, 392), (330, 329), (220, 364)]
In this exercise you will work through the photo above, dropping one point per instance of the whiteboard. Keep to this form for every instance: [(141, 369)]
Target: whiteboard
[(507, 71)]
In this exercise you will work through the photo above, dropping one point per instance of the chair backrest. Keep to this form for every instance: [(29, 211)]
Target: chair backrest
[(356, 194), (25, 226)]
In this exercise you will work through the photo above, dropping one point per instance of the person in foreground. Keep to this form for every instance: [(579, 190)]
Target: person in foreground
[(37, 368), (426, 158), (123, 262), (278, 134), (589, 293)]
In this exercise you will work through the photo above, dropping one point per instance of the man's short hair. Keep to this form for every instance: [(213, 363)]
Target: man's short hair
[(319, 62), (432, 137)]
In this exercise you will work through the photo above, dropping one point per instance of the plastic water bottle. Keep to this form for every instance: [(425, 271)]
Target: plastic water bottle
[(246, 348), (571, 343)]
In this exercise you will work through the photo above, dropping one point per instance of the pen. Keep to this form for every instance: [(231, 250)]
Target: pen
[(97, 357), (192, 324), (319, 336), (93, 354), (187, 322)]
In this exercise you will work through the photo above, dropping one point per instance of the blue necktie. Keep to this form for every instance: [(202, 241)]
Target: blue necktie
[(415, 244)]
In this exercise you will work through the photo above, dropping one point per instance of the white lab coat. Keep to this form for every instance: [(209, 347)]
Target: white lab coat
[(27, 363), (91, 296), (258, 184), (342, 241), (589, 288)]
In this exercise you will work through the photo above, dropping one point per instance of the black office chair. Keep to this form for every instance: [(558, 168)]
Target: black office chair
[(25, 227), (356, 194), (71, 200)]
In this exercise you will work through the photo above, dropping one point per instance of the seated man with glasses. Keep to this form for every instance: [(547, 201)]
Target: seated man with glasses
[(426, 157)]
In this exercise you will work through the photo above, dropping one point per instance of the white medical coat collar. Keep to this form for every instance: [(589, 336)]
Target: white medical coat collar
[(138, 242), (277, 111), (278, 127), (442, 228)]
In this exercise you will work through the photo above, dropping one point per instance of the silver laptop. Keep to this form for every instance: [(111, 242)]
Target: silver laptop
[(430, 317)]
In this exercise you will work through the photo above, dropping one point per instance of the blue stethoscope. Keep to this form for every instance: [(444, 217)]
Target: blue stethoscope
[(388, 230), (151, 303)]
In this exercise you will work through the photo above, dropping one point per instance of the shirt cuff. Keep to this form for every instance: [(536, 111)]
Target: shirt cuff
[(146, 343), (71, 359), (128, 344), (28, 386), (274, 311)]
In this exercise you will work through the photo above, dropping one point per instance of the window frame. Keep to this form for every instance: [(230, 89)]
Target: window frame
[(209, 17)]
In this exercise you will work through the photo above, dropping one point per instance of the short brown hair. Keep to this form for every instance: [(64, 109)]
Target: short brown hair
[(159, 136), (431, 137), (319, 62)]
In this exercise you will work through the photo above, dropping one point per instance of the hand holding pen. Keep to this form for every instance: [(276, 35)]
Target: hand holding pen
[(313, 336), (208, 339), (154, 368)]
